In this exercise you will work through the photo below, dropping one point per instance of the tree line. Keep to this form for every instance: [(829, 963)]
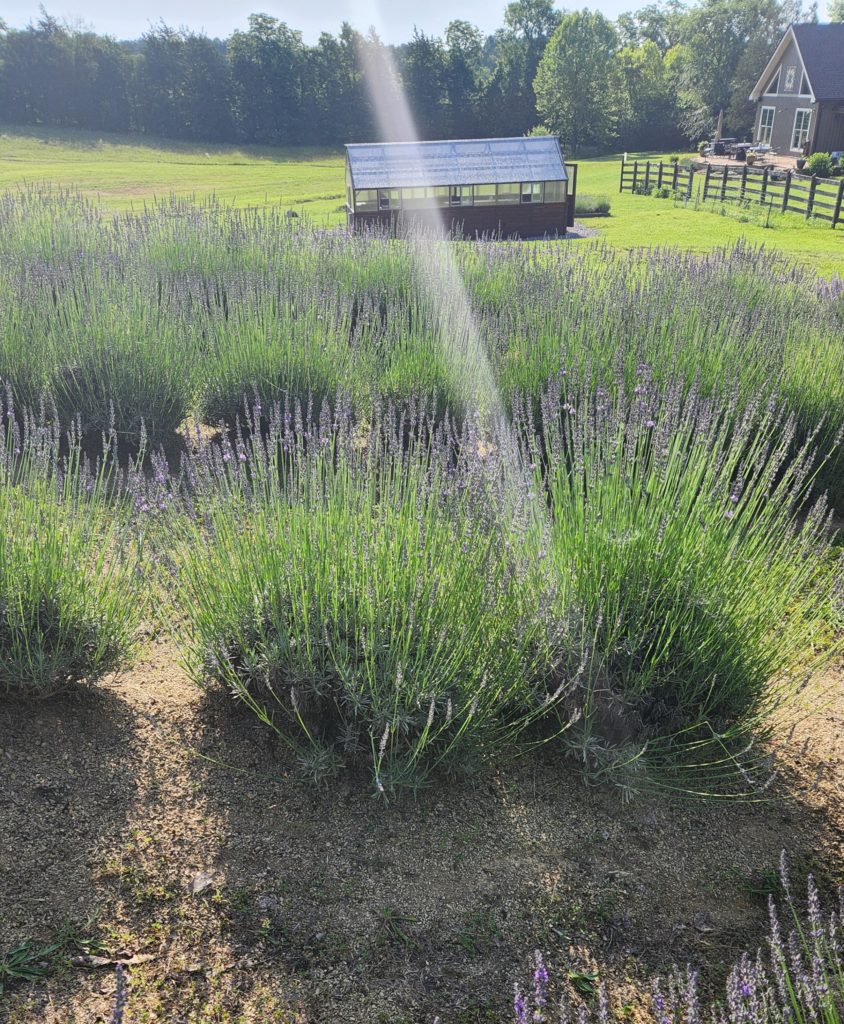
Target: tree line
[(651, 79)]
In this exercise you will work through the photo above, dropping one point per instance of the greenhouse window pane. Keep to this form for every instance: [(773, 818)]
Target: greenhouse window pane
[(366, 200), (555, 191), (509, 193), (461, 195)]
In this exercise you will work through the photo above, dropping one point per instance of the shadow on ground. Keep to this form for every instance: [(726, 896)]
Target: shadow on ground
[(260, 898)]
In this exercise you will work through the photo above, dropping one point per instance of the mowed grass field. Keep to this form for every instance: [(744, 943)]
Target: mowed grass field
[(124, 172)]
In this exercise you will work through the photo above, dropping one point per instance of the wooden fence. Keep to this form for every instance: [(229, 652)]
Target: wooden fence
[(643, 175), (797, 193), (793, 192)]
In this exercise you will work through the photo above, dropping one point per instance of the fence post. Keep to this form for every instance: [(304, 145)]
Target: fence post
[(706, 182), (743, 181), (813, 185), (836, 213), (724, 183), (648, 174), (786, 190), (764, 186), (691, 175), (635, 174), (659, 176)]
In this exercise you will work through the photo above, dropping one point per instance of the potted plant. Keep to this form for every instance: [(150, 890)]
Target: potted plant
[(801, 162), (751, 159)]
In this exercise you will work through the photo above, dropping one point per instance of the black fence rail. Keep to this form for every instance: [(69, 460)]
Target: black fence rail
[(645, 175), (793, 192)]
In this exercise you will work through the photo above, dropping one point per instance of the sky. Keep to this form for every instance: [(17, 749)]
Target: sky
[(395, 18)]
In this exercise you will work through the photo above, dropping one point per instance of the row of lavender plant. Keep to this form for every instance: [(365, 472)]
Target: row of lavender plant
[(185, 309), (635, 579)]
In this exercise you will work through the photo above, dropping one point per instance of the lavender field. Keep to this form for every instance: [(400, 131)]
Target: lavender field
[(422, 514)]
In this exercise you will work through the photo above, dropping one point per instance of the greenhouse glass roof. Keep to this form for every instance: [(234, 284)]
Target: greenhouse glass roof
[(459, 162)]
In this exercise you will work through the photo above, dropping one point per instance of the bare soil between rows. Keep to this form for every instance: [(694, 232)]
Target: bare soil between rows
[(166, 823)]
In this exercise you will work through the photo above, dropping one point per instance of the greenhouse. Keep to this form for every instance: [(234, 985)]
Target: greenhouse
[(517, 187)]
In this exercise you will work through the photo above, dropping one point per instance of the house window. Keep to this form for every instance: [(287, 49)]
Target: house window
[(790, 75), (555, 191), (532, 192), (773, 85), (766, 125), (800, 135)]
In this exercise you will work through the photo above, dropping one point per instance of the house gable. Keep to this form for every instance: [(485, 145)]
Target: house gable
[(785, 73)]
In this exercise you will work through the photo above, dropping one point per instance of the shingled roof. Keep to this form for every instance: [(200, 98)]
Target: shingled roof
[(822, 50), (458, 162)]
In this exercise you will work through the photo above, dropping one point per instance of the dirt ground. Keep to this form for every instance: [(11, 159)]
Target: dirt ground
[(149, 822)]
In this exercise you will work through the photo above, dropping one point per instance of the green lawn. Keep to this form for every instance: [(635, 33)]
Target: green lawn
[(641, 220), (122, 173)]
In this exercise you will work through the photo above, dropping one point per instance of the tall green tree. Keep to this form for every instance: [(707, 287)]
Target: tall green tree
[(465, 76), (423, 67), (267, 65), (649, 113), (578, 85), (510, 105)]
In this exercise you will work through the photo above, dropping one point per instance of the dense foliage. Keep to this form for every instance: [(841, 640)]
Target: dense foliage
[(655, 75)]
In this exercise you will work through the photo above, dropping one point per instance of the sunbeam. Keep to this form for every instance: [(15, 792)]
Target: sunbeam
[(457, 328)]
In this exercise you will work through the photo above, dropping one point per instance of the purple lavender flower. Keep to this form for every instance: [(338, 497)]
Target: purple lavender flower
[(540, 988), (519, 1006)]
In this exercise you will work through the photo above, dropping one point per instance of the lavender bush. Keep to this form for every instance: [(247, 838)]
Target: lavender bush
[(397, 589), (688, 541), (67, 601), (364, 595)]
